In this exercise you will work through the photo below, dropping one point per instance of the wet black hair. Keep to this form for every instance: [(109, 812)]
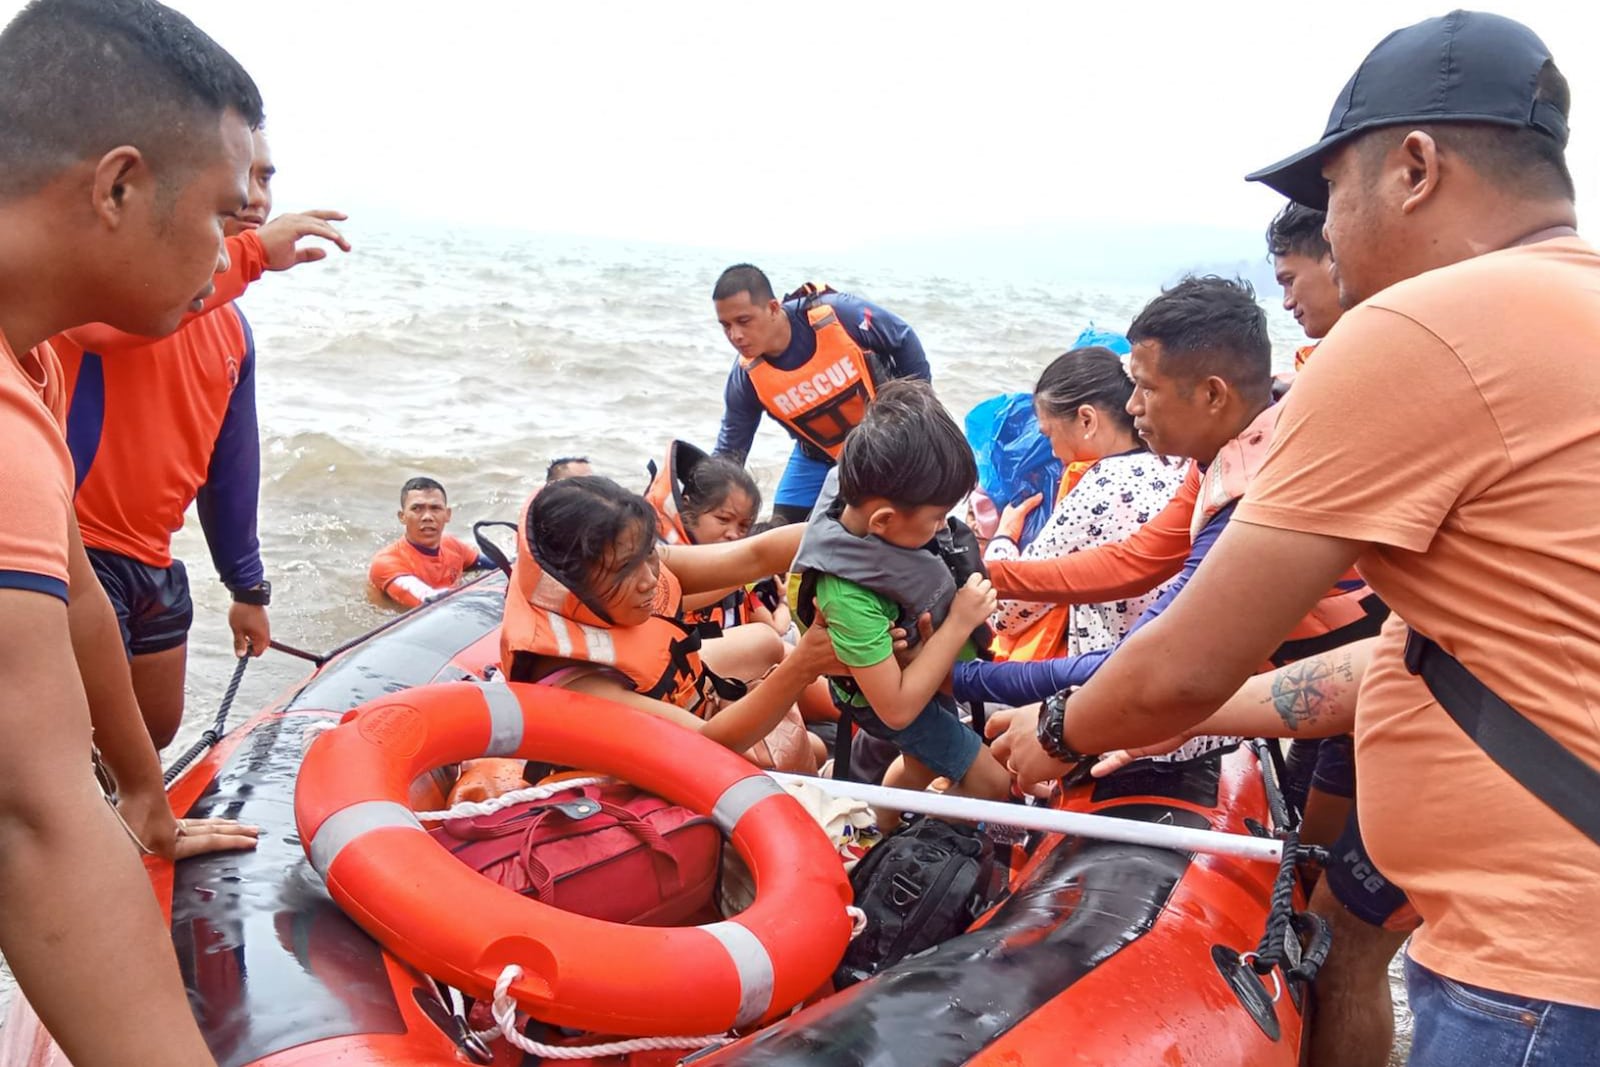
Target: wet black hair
[(907, 450), (1208, 326), (743, 278), (84, 76), (424, 484), (552, 473), (1523, 161), (1297, 231), (1090, 375), (577, 528), (710, 482)]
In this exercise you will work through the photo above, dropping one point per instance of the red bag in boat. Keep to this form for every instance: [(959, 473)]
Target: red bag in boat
[(608, 852)]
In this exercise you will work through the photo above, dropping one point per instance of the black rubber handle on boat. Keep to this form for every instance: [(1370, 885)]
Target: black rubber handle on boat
[(489, 549), (213, 735)]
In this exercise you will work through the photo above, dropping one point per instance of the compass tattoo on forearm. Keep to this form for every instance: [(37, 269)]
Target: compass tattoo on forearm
[(1302, 691)]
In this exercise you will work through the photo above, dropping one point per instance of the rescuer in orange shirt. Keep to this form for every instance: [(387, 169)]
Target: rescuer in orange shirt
[(157, 424), (426, 562)]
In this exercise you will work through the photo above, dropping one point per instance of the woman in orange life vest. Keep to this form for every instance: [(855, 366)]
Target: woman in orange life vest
[(593, 607), (1113, 485)]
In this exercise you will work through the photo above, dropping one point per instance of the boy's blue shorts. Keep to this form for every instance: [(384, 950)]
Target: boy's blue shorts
[(937, 737)]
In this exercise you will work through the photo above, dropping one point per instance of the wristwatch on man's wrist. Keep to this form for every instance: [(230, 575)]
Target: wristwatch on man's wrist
[(1051, 731), (258, 595)]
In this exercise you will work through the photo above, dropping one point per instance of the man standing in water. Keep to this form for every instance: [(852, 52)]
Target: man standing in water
[(426, 562), (124, 146), (155, 425), (1445, 440), (812, 362)]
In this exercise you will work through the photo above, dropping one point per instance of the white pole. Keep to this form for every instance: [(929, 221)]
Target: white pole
[(1077, 823)]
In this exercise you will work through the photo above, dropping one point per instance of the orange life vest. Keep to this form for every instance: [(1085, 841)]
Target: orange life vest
[(1226, 480), (1046, 638), (665, 491), (660, 657), (665, 494), (824, 398)]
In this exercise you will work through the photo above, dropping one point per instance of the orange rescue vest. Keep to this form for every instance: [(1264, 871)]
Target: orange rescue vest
[(660, 657), (824, 398), (665, 494), (665, 491), (1226, 480)]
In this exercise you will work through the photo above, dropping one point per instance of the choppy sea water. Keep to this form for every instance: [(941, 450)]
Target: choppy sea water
[(477, 358)]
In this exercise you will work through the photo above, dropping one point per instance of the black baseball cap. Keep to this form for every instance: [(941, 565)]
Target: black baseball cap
[(1466, 66)]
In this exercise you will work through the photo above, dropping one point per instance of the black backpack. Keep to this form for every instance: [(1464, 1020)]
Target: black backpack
[(920, 886)]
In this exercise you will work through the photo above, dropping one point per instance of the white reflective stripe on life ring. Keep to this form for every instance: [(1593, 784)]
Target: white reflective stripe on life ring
[(754, 966), (347, 825)]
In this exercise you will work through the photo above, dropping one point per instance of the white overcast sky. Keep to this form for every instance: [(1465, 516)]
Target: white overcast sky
[(819, 126)]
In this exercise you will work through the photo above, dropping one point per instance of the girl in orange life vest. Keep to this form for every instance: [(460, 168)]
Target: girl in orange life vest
[(714, 499), (592, 603), (702, 499), (719, 501), (1114, 485)]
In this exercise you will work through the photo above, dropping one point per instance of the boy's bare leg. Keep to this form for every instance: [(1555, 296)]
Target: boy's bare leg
[(906, 772), (985, 779)]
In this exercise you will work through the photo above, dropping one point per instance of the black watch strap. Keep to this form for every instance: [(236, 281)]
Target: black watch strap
[(258, 595), (1052, 731)]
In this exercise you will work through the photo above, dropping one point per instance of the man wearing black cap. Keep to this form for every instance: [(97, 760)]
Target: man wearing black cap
[(1446, 440)]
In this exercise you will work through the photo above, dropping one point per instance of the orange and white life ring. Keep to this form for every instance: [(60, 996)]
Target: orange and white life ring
[(434, 913)]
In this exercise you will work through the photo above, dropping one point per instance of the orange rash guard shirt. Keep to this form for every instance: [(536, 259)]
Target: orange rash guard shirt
[(408, 575)]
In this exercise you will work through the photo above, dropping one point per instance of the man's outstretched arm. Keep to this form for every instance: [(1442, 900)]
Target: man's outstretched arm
[(1163, 680), (119, 729), (1254, 586)]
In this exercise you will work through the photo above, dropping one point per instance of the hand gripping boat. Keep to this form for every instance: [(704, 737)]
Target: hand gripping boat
[(1103, 953)]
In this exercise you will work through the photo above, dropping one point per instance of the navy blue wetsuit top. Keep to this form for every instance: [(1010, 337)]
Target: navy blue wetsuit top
[(228, 501), (882, 332), (1017, 682)]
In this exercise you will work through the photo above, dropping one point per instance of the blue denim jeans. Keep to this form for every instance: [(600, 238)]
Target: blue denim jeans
[(1460, 1025)]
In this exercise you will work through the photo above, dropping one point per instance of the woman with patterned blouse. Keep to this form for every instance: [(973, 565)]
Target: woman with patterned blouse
[(1114, 486)]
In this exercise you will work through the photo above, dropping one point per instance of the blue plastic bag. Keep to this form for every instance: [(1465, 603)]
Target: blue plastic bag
[(1014, 458), (1093, 335)]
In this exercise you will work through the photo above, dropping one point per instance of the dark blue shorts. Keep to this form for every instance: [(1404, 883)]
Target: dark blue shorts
[(937, 737), (1327, 764), (152, 603), (1355, 881), (1335, 770)]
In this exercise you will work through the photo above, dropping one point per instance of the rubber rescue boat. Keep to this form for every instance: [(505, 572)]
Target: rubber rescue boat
[(347, 937)]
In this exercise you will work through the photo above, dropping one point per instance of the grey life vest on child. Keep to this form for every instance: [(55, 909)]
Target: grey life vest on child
[(918, 580)]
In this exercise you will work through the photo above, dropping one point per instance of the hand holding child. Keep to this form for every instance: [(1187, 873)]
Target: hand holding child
[(815, 651)]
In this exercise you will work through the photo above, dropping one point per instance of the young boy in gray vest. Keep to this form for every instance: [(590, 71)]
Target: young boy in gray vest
[(869, 565)]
